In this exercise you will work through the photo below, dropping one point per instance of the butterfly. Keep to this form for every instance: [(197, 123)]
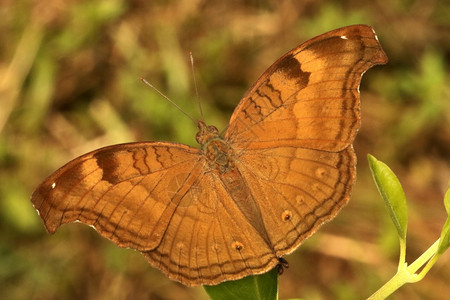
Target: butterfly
[(237, 204)]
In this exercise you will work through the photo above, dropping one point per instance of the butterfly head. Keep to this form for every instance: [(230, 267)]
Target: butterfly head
[(205, 133)]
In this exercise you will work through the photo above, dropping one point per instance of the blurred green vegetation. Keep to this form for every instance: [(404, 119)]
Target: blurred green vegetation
[(69, 83)]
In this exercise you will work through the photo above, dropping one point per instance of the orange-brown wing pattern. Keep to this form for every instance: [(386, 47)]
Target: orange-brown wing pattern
[(160, 199), (285, 166), (127, 192), (298, 190), (211, 241), (293, 130), (308, 98)]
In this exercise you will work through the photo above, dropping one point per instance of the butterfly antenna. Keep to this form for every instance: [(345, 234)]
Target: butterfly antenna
[(195, 85), (168, 99)]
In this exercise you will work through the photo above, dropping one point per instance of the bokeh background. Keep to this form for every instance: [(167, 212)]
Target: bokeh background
[(69, 83)]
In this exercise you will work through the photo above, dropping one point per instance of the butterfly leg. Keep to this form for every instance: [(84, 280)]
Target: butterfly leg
[(282, 264)]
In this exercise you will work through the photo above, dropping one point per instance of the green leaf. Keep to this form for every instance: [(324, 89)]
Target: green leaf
[(444, 242), (392, 192), (264, 286)]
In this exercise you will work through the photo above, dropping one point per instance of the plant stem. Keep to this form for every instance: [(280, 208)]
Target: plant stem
[(392, 285), (407, 274), (429, 256), (402, 258)]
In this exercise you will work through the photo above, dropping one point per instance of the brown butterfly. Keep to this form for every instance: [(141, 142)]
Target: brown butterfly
[(235, 206)]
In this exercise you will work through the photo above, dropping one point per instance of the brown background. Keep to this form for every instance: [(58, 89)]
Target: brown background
[(69, 83)]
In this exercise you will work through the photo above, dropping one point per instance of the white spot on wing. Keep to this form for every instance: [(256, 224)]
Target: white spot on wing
[(344, 37), (53, 185), (376, 37), (92, 226)]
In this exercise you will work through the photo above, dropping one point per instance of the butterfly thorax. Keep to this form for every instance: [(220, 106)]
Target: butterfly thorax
[(220, 158), (216, 151)]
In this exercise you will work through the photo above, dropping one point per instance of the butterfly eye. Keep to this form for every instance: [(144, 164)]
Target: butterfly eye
[(213, 130)]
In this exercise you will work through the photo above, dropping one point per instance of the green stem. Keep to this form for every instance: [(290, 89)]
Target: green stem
[(429, 257), (400, 278), (407, 274), (402, 258)]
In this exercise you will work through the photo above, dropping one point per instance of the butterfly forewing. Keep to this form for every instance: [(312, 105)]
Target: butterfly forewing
[(309, 98), (126, 192)]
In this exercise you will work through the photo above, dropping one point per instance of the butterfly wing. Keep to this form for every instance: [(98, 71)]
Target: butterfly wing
[(309, 97), (160, 199), (211, 241), (127, 192), (298, 190), (293, 130)]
